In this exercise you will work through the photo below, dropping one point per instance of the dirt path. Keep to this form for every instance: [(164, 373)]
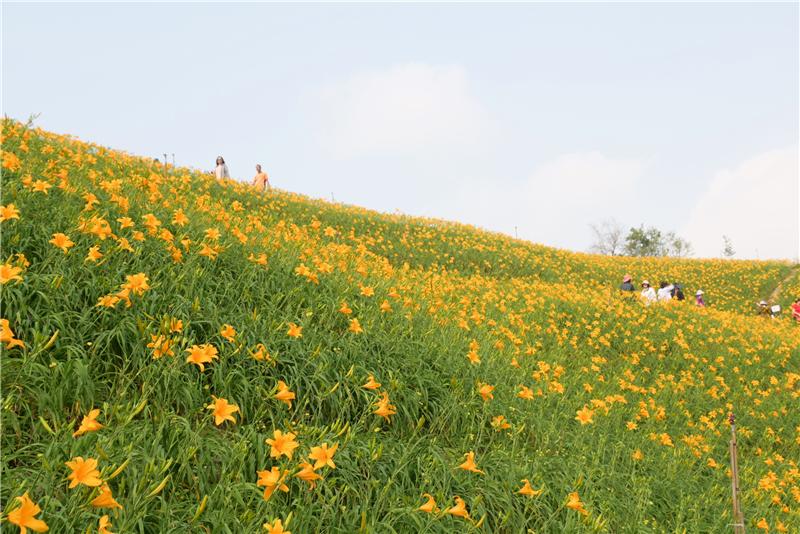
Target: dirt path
[(776, 293)]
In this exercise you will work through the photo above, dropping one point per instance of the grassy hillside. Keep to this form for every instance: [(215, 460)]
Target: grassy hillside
[(521, 357)]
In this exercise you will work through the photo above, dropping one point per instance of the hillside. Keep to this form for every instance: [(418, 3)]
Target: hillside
[(411, 346)]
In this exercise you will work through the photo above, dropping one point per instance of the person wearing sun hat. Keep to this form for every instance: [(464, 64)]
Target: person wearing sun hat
[(648, 293), (627, 284), (698, 298)]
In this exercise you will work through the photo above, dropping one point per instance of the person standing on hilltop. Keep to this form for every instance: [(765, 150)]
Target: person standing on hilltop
[(796, 310), (648, 293), (698, 298), (261, 180), (665, 291), (221, 170), (627, 284)]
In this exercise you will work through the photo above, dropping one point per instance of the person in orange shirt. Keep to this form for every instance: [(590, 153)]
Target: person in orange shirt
[(261, 180)]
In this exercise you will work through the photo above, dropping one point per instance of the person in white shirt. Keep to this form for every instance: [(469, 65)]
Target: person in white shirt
[(648, 293), (221, 170), (665, 292)]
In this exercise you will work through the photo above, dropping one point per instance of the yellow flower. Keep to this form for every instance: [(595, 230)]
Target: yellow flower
[(528, 490), (355, 326), (272, 480), (275, 528), (499, 423), (762, 524), (371, 383), (105, 499), (525, 393), (222, 410), (295, 331), (383, 408), (201, 354), (485, 391), (345, 309), (24, 515), (282, 444), (637, 455), (228, 332), (62, 241), (574, 503), (459, 510), (94, 253), (83, 472), (8, 212), (104, 525), (430, 505), (7, 335), (584, 416), (307, 473), (469, 464), (136, 283), (323, 455), (89, 423), (8, 273), (367, 291), (284, 394)]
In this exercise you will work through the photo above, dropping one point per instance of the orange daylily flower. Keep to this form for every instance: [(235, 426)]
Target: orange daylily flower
[(62, 241), (459, 510), (469, 464), (574, 503), (105, 499), (295, 331), (584, 416), (136, 283), (355, 326), (282, 444), (222, 410), (371, 383), (7, 335), (485, 391), (24, 516), (89, 423), (83, 472), (284, 394), (307, 473), (525, 393), (430, 506), (201, 354), (527, 490), (9, 272), (104, 525), (323, 455), (8, 212), (272, 480), (94, 254), (383, 408), (228, 332), (275, 527)]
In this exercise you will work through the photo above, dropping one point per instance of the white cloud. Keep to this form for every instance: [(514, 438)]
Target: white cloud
[(413, 109), (755, 204), (556, 203)]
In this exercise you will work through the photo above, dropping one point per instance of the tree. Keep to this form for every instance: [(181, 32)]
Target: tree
[(653, 242), (677, 246), (644, 242), (608, 238), (728, 251)]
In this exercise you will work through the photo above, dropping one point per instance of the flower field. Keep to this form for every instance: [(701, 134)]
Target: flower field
[(181, 354)]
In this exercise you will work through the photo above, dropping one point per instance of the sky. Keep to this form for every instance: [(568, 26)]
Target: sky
[(535, 120)]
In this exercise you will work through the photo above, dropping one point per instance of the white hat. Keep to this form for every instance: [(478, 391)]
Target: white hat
[(699, 292), (645, 283)]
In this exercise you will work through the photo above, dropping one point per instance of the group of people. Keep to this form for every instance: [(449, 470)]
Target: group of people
[(666, 291), (674, 291), (260, 180)]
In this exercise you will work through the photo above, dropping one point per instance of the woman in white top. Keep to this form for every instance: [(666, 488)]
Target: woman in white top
[(648, 293), (221, 171)]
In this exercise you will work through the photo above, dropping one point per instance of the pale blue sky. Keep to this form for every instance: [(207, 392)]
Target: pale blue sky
[(544, 117)]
